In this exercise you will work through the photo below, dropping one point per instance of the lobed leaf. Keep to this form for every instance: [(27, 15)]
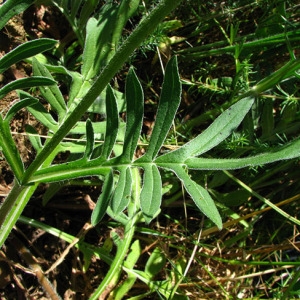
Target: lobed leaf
[(199, 195), (217, 132), (25, 50), (168, 105), (151, 194)]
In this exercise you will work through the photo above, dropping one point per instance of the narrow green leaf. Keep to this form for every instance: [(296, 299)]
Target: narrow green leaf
[(51, 94), (87, 9), (34, 137), (151, 193), (90, 49), (18, 106), (112, 123), (289, 151), (199, 195), (122, 193), (25, 83), (10, 150), (134, 116), (80, 128), (168, 105), (104, 199), (217, 132), (11, 8), (25, 50), (74, 8), (69, 170), (155, 263), (267, 119), (89, 139), (39, 111)]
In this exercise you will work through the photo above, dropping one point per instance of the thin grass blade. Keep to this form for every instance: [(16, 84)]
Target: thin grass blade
[(89, 140)]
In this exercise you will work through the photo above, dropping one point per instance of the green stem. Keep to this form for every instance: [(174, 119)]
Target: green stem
[(12, 208), (124, 243), (116, 266), (134, 40)]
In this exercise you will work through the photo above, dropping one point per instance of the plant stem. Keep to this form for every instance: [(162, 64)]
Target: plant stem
[(116, 267), (12, 208)]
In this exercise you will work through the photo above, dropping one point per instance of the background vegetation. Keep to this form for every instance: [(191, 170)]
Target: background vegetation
[(225, 52)]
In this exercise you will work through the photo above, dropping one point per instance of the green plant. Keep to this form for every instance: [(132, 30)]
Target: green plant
[(128, 195)]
